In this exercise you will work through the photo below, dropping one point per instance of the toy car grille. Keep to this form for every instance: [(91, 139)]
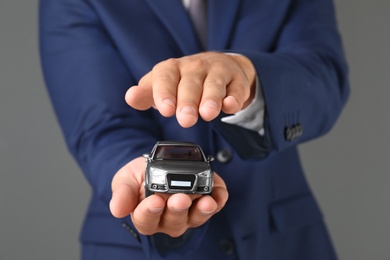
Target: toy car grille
[(181, 181)]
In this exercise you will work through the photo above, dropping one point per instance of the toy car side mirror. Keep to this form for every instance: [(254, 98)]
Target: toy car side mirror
[(210, 158), (146, 155)]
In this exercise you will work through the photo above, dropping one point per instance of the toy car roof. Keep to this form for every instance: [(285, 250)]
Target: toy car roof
[(184, 143)]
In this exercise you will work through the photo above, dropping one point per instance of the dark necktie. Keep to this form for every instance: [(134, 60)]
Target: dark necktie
[(198, 13)]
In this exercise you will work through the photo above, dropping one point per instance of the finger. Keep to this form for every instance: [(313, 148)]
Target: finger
[(237, 93), (166, 77), (202, 210), (241, 89), (220, 193), (146, 217), (220, 196), (230, 105), (141, 97), (174, 220), (189, 94), (206, 206), (188, 101), (214, 91)]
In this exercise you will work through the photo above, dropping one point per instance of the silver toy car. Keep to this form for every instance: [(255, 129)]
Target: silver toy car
[(178, 167)]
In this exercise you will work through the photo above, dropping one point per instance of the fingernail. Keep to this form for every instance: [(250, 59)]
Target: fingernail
[(188, 110), (169, 102), (156, 210), (211, 104), (178, 210), (207, 212)]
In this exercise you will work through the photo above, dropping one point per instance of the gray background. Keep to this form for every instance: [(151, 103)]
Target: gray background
[(43, 194)]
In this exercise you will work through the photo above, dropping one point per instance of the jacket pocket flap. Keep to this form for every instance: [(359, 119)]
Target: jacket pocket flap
[(295, 212)]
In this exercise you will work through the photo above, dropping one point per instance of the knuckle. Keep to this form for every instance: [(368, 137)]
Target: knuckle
[(243, 89), (238, 75), (198, 64), (194, 83), (171, 62), (216, 83), (240, 89), (164, 68), (165, 77), (219, 66)]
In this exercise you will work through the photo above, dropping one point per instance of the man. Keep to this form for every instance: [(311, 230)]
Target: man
[(277, 65)]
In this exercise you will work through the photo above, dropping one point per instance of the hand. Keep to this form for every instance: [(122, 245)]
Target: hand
[(201, 84), (171, 214)]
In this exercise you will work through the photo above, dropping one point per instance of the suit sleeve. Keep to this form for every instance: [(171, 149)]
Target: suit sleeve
[(303, 78), (87, 79)]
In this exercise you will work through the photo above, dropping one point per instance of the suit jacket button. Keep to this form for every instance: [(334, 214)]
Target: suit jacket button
[(300, 130), (224, 156), (226, 246), (288, 134), (295, 132)]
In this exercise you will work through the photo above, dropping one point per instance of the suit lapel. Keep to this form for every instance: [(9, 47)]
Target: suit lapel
[(174, 17), (222, 15)]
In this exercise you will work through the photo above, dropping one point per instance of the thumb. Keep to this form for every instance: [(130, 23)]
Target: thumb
[(141, 97), (123, 201), (126, 188)]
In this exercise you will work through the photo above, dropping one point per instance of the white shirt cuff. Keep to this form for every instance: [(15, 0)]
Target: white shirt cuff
[(252, 117)]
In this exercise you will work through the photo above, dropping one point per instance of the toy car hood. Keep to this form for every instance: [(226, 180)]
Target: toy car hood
[(185, 166)]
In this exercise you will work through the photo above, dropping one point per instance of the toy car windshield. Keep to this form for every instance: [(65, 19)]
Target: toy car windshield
[(178, 152)]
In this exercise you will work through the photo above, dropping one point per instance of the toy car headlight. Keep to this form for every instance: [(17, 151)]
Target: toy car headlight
[(205, 173), (157, 172), (157, 176)]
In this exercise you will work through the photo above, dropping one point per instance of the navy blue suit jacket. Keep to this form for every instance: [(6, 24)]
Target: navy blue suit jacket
[(93, 51)]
